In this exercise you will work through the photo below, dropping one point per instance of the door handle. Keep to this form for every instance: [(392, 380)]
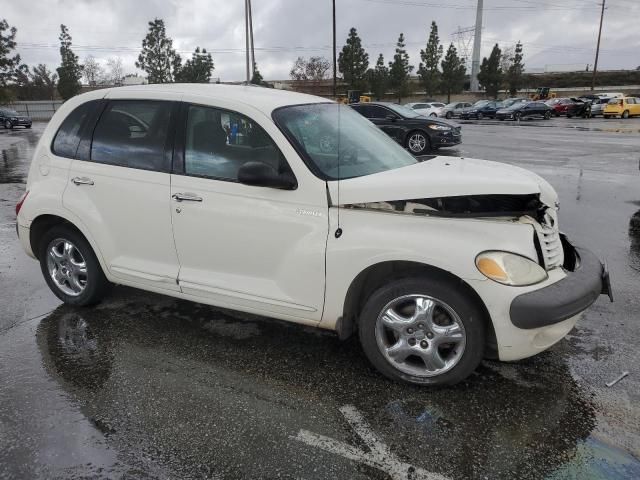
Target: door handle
[(186, 197), (82, 181)]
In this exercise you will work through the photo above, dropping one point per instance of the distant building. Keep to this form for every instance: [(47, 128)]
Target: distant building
[(133, 80)]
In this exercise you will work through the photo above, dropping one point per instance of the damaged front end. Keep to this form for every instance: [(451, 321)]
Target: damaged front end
[(523, 208), (464, 206)]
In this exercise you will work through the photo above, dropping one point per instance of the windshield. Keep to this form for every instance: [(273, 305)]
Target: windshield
[(10, 112), (515, 106), (338, 142), (481, 103), (404, 111)]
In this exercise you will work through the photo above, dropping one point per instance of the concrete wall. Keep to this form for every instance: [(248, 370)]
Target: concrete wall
[(37, 109)]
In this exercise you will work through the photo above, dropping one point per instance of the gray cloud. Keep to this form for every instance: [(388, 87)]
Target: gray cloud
[(553, 32)]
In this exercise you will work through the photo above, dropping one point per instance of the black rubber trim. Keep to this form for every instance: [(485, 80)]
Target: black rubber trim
[(563, 299)]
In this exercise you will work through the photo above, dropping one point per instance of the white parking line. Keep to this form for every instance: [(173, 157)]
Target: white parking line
[(379, 457)]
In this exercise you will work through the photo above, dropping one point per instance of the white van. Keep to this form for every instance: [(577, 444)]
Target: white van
[(294, 207)]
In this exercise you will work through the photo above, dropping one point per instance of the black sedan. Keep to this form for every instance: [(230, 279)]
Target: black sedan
[(580, 107), (415, 132), (481, 109), (525, 110), (10, 118)]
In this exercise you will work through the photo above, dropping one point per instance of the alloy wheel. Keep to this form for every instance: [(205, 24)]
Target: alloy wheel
[(420, 335), (417, 142), (67, 267)]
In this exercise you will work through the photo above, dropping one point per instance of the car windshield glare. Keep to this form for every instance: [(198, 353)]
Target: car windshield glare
[(10, 112), (481, 103), (338, 143)]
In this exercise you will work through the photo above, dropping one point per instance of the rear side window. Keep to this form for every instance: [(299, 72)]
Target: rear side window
[(67, 139), (132, 133)]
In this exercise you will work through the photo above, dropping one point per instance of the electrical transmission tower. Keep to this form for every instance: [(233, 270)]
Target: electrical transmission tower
[(463, 38)]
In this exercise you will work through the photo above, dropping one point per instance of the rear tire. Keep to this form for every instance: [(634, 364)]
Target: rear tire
[(442, 346), (71, 268), (449, 115)]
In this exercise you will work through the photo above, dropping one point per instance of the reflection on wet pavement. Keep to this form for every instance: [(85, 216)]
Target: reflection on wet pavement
[(13, 168), (203, 390)]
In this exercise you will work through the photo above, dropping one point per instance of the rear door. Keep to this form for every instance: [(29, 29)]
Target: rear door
[(634, 108), (119, 188)]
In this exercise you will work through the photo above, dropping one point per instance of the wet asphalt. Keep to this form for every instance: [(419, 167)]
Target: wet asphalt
[(145, 386)]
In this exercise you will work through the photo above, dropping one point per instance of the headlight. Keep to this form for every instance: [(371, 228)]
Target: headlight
[(510, 269), (15, 119), (438, 127), (473, 111)]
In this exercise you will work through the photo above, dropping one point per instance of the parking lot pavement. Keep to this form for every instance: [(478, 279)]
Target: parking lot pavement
[(153, 387)]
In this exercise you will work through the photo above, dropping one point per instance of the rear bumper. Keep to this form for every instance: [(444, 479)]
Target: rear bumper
[(566, 298)]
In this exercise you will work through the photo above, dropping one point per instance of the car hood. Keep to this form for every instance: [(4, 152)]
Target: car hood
[(443, 177)]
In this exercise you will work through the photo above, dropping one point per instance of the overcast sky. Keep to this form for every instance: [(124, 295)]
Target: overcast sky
[(556, 33)]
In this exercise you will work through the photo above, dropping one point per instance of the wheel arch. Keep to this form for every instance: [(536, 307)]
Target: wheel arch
[(374, 276), (44, 222)]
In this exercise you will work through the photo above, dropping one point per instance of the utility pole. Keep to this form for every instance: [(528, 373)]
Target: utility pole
[(246, 35), (253, 53), (477, 44), (595, 65), (334, 49)]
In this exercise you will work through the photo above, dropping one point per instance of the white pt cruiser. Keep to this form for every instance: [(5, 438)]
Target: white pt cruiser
[(291, 206)]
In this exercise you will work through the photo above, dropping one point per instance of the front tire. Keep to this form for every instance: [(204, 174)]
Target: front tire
[(547, 115), (70, 267), (418, 143), (424, 331), (449, 115), (625, 114), (8, 125)]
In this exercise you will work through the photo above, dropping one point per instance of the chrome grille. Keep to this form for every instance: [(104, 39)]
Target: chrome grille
[(549, 236)]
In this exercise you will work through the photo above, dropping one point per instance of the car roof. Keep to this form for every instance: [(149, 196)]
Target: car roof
[(264, 99)]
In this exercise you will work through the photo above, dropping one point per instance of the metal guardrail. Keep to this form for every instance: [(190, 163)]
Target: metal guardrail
[(38, 109)]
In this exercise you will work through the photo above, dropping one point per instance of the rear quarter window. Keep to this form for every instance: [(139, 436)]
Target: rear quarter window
[(67, 138)]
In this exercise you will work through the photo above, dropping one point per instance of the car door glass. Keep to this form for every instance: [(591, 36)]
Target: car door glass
[(219, 142), (132, 133), (67, 139), (379, 112)]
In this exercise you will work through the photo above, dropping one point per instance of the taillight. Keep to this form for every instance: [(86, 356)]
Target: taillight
[(21, 201)]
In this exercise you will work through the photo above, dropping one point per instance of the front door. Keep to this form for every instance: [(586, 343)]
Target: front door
[(120, 192), (250, 248)]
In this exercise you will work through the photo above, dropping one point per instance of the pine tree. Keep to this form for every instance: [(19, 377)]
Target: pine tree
[(399, 70), (491, 75), (69, 71), (378, 78), (197, 69), (8, 64), (158, 58), (431, 55), (353, 62), (515, 71), (454, 72)]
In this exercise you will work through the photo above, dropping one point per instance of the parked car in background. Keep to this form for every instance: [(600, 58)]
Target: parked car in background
[(481, 109), (507, 102), (559, 106), (622, 107), (524, 110), (428, 109), (454, 109), (597, 106), (579, 107), (318, 219), (417, 133), (10, 118)]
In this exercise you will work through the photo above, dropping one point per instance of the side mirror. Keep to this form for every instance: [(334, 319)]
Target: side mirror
[(260, 174)]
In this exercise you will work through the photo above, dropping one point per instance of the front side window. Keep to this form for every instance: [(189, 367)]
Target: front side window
[(132, 133), (219, 142), (67, 139), (404, 111), (338, 143)]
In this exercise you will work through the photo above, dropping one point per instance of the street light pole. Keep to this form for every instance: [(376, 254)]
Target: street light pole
[(334, 49), (595, 65), (246, 35), (253, 53)]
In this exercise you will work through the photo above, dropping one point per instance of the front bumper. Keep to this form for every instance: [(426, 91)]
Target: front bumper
[(566, 298), (447, 139)]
